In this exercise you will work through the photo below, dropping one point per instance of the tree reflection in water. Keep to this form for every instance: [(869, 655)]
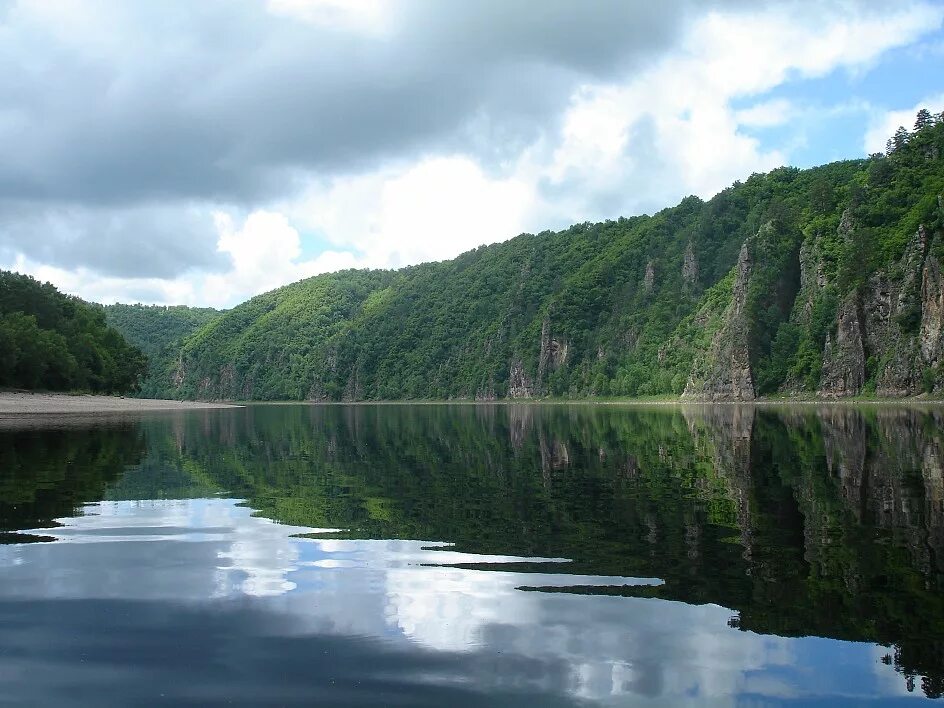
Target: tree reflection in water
[(824, 521)]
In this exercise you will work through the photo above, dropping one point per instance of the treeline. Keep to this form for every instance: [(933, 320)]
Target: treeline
[(51, 341)]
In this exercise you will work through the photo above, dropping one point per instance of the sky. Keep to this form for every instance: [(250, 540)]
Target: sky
[(201, 153)]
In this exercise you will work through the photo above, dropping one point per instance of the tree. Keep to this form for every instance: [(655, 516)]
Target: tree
[(923, 119), (822, 196), (880, 172), (901, 138)]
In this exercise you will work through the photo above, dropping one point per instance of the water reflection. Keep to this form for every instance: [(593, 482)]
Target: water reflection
[(704, 554)]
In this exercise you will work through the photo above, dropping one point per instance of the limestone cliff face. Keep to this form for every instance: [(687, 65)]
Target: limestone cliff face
[(353, 390), (317, 391), (552, 355), (812, 278), (844, 355), (887, 332), (904, 318), (931, 333), (893, 304), (649, 279), (813, 284), (226, 385), (724, 372), (690, 266), (890, 329), (519, 383)]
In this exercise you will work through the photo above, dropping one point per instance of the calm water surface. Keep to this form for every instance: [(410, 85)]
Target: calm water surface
[(486, 555)]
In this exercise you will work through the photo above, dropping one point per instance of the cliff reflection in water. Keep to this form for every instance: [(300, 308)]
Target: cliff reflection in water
[(800, 520)]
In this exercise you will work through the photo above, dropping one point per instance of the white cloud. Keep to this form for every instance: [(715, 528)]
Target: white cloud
[(688, 135), (884, 124), (431, 210), (621, 147), (766, 114), (264, 251), (363, 15), (743, 54)]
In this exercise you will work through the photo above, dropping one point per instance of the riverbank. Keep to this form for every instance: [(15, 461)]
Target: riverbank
[(634, 402), (14, 404)]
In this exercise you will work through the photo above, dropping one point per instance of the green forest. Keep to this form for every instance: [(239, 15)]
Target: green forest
[(54, 342), (816, 282), (157, 330), (823, 281)]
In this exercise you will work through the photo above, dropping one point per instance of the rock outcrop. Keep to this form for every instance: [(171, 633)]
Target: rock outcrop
[(890, 330), (690, 266), (649, 279), (931, 332), (725, 372), (552, 354), (812, 276), (519, 383), (844, 355)]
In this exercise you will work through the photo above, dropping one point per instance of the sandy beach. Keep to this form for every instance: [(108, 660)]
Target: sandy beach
[(16, 404)]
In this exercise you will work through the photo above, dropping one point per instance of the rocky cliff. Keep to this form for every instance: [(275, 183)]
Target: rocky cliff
[(724, 372), (888, 332)]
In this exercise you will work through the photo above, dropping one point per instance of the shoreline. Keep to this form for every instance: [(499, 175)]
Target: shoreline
[(634, 402), (16, 404)]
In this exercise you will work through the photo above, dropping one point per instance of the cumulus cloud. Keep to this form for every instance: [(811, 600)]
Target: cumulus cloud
[(430, 210), (160, 151), (262, 252), (766, 114), (110, 110), (161, 241), (266, 253)]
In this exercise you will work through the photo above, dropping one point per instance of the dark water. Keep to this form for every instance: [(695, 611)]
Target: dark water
[(505, 555)]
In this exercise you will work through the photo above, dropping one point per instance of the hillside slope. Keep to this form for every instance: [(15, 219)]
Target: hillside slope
[(158, 331), (826, 280)]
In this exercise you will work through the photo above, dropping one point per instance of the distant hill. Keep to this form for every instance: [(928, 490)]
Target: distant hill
[(157, 330), (821, 281), (55, 342)]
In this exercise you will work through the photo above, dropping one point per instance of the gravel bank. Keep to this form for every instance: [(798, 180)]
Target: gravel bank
[(15, 404)]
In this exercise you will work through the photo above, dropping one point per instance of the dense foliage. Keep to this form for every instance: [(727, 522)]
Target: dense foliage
[(157, 330), (620, 308), (55, 342)]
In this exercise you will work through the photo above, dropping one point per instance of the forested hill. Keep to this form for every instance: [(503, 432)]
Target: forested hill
[(54, 342), (826, 280), (158, 331)]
